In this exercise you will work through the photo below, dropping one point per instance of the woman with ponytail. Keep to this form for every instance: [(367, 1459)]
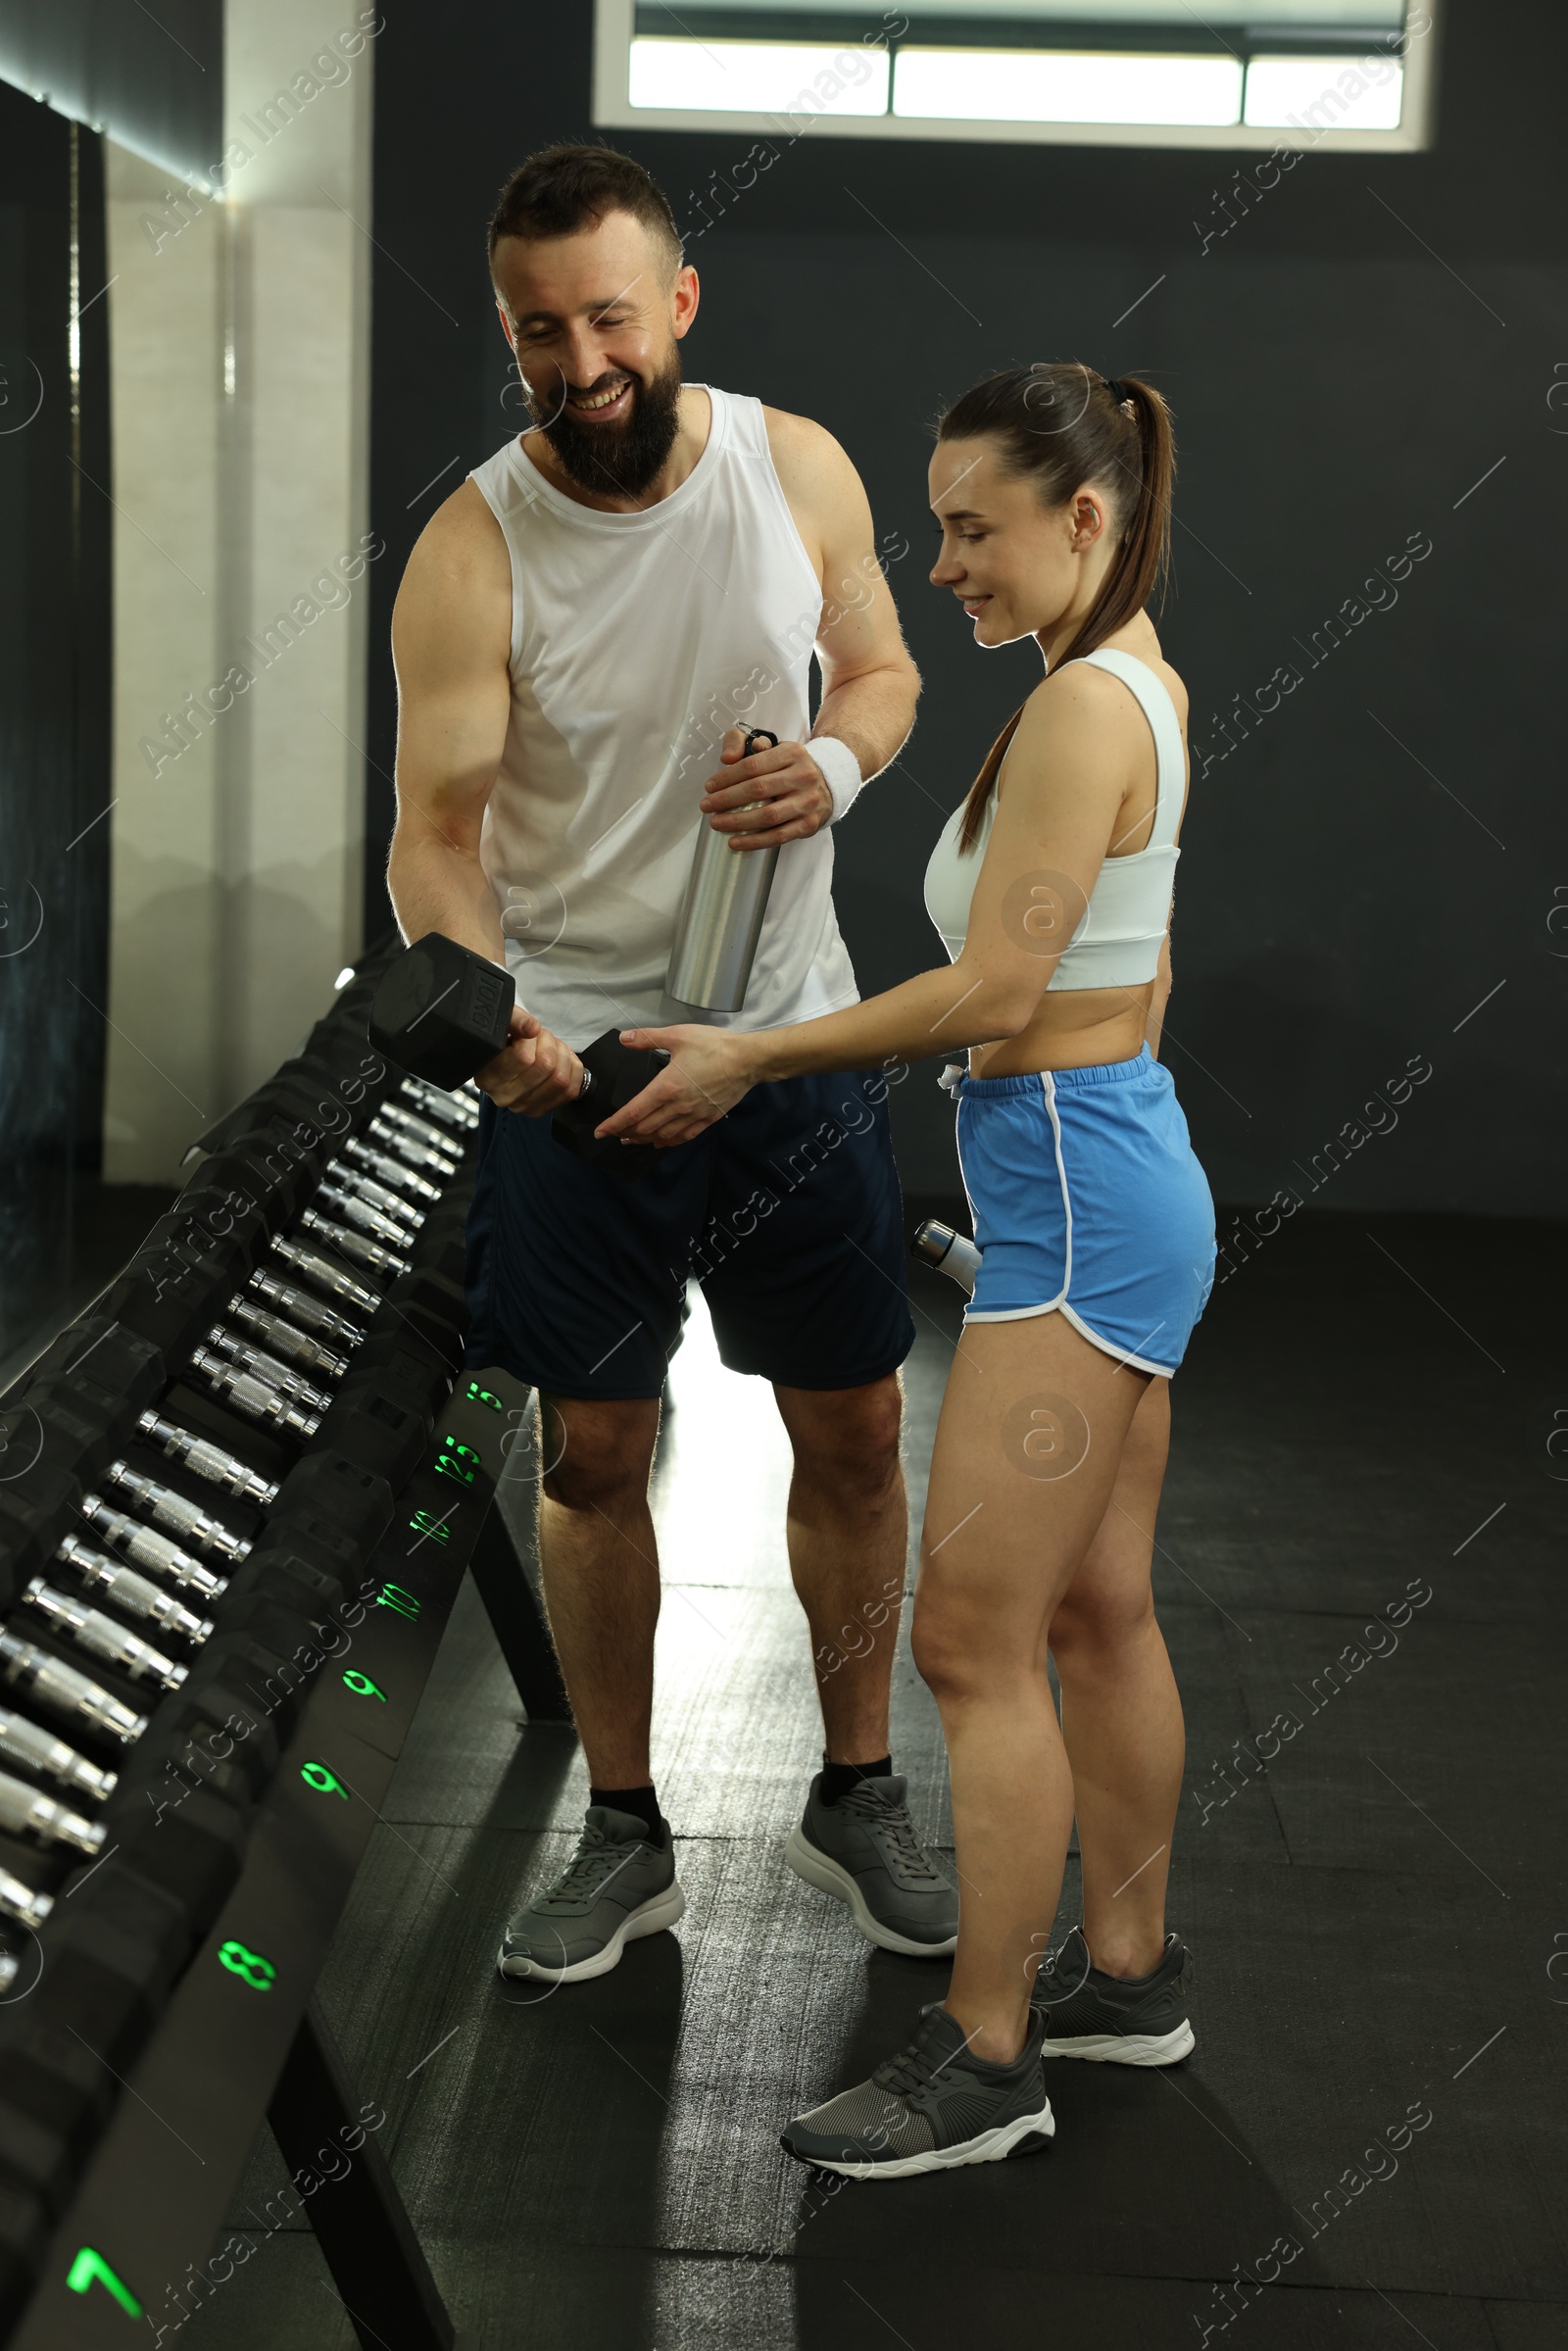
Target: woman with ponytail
[(1051, 889)]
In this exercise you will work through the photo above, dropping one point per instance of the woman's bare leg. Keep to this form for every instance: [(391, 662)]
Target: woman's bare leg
[(1121, 1718), (1022, 1474)]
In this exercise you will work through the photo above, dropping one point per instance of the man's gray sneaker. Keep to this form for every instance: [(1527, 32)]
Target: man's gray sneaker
[(617, 1886), (1118, 2020), (864, 1851), (932, 2107)]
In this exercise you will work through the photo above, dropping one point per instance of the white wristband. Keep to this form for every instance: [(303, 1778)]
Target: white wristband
[(840, 772)]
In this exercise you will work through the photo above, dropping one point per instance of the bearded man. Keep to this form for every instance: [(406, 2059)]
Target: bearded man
[(584, 632)]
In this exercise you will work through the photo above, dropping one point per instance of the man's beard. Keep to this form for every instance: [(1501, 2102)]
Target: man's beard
[(621, 461)]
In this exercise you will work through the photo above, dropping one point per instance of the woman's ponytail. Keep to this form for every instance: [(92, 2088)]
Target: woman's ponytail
[(1114, 434)]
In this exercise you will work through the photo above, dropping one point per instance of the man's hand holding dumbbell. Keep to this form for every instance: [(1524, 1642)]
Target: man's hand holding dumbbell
[(535, 1071), (442, 1009)]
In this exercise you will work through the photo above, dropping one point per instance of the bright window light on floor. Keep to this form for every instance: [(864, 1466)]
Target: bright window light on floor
[(720, 1486), (1021, 85), (759, 77), (1325, 93)]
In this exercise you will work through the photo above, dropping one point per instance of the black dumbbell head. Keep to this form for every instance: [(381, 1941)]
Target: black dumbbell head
[(330, 1486), (617, 1074), (441, 1011), (380, 1427)]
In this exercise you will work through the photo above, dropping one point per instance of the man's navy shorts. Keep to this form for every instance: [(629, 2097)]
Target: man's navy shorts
[(788, 1211)]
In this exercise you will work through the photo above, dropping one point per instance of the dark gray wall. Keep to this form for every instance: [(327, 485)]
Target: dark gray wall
[(1380, 853)]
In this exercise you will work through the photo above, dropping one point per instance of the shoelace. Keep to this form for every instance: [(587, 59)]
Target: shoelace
[(1050, 1986), (895, 1820), (910, 2069), (587, 1865)]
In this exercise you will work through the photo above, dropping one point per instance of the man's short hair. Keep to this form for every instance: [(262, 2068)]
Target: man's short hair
[(572, 186)]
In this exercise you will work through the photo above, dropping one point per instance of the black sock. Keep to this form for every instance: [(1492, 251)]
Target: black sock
[(839, 1778), (642, 1802)]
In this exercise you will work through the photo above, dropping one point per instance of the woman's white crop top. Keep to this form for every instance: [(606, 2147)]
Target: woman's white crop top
[(1118, 941)]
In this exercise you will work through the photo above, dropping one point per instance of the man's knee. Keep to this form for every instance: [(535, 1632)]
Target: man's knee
[(846, 1436), (597, 1451)]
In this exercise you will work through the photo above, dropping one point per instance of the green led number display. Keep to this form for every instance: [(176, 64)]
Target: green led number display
[(329, 1782), (393, 1595), (249, 1966), (473, 1393), (363, 1686), (459, 1461), (435, 1528), (89, 2268)]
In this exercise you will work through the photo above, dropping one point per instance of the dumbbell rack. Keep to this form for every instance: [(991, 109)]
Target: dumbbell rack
[(252, 1478)]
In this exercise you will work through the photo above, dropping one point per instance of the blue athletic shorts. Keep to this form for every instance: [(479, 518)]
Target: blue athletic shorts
[(788, 1211), (1088, 1201)]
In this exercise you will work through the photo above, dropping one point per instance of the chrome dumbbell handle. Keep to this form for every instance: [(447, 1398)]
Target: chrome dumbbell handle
[(204, 1459), (145, 1548), (334, 1279), (421, 1145), (280, 1339), (270, 1368), (176, 1512), (102, 1638), (26, 1813), (457, 1111), (356, 1246), (33, 1749), (253, 1397), (123, 1589), (307, 1311), (353, 1181), (364, 1217), (392, 1171), (23, 1902), (69, 1692)]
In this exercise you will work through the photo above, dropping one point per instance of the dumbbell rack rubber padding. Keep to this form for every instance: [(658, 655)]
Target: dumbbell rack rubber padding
[(169, 2004), (160, 2179)]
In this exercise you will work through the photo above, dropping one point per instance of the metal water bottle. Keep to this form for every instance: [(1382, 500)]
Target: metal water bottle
[(940, 1246), (721, 916)]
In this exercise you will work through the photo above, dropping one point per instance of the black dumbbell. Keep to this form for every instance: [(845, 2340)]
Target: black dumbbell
[(441, 1012), (614, 1074), (332, 1486)]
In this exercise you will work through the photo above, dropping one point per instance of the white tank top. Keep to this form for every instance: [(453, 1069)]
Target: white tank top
[(636, 640), (1118, 941)]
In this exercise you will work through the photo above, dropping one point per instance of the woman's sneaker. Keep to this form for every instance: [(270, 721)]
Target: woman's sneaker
[(1118, 2020), (929, 2109), (864, 1851), (617, 1886)]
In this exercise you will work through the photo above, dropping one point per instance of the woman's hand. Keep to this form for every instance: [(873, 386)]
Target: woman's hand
[(707, 1073), (535, 1071)]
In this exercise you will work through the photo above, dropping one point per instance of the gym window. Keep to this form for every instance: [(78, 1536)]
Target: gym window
[(1239, 73)]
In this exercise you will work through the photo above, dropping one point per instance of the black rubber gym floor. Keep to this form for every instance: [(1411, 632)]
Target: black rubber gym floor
[(1367, 2147)]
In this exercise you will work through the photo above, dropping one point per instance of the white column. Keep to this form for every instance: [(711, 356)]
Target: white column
[(299, 120), (240, 351), (167, 271)]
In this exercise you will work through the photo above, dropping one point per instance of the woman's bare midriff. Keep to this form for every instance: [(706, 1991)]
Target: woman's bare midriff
[(1070, 1030)]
